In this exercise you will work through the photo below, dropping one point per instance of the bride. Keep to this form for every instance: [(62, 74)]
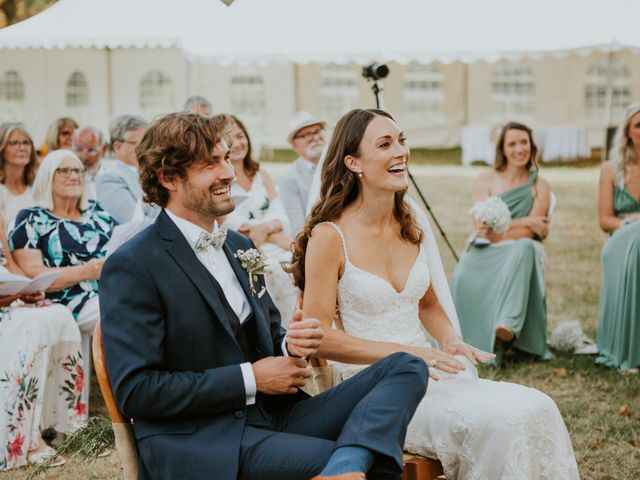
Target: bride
[(363, 249)]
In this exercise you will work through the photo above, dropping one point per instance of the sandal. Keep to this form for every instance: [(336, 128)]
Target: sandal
[(41, 456)]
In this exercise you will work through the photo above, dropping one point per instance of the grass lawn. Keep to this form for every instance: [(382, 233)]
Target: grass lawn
[(591, 399)]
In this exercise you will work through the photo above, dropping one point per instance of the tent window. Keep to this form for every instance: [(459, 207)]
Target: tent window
[(338, 91), (423, 95), (513, 92), (11, 87), (595, 89), (156, 93), (11, 96), (77, 90), (248, 99)]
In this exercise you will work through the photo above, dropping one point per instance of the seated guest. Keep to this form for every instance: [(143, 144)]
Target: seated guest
[(619, 206), (259, 215), (65, 232), (18, 166), (197, 357), (198, 104), (60, 134), (498, 290), (118, 190), (39, 350), (90, 147), (306, 138)]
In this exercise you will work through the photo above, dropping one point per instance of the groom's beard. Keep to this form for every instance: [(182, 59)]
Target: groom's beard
[(204, 202)]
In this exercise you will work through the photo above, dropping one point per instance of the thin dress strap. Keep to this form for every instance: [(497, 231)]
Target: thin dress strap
[(344, 243)]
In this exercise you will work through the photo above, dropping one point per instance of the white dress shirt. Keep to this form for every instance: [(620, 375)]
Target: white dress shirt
[(217, 263)]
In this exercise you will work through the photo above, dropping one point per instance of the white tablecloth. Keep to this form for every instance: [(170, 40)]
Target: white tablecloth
[(562, 143), (477, 145)]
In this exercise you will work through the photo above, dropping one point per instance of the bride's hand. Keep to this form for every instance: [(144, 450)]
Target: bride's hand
[(456, 346), (437, 360)]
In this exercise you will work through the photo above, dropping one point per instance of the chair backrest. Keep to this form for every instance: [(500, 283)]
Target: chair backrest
[(122, 428)]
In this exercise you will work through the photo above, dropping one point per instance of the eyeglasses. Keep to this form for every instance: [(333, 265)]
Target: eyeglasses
[(66, 172), (19, 143), (309, 135), (92, 151)]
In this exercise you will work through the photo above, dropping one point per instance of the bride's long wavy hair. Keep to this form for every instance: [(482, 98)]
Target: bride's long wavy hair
[(340, 187)]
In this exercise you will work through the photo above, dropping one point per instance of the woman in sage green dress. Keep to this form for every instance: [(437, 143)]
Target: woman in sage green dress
[(619, 209), (499, 289)]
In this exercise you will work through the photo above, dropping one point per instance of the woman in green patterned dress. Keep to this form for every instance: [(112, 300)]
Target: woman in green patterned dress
[(499, 289), (619, 209)]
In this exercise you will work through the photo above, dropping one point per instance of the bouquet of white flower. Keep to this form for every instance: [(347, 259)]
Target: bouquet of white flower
[(494, 213)]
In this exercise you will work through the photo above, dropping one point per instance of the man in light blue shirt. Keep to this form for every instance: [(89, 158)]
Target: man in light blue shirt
[(118, 190)]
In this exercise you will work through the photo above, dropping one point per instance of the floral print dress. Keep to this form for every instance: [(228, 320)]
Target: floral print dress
[(65, 243), (41, 378)]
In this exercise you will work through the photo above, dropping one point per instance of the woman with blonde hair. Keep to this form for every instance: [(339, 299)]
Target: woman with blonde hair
[(498, 289), (18, 166), (66, 232), (619, 212), (60, 134)]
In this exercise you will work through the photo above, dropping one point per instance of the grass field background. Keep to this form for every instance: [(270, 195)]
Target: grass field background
[(601, 407)]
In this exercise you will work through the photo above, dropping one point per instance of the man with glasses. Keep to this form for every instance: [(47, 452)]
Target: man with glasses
[(119, 190), (89, 146), (307, 139)]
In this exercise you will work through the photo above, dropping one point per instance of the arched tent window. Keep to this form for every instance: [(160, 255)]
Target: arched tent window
[(595, 89), (338, 91), (423, 95), (248, 99), (156, 94), (77, 90), (11, 96), (513, 92)]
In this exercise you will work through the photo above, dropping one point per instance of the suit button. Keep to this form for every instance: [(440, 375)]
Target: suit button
[(239, 414)]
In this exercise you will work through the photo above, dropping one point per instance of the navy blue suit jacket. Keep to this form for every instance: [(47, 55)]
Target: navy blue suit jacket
[(172, 357)]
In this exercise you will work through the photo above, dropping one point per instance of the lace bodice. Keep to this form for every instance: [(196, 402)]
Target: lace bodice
[(372, 309)]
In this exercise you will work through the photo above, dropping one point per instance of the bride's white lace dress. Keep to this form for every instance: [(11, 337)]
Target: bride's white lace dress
[(478, 429)]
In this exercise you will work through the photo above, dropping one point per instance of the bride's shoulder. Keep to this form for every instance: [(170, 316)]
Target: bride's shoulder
[(326, 232), (325, 243)]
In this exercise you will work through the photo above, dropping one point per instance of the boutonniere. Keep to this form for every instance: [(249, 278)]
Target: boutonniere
[(254, 263)]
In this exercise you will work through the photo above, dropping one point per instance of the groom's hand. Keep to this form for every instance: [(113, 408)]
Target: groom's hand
[(278, 375), (304, 336)]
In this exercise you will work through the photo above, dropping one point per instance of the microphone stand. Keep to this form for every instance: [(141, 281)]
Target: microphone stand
[(376, 92)]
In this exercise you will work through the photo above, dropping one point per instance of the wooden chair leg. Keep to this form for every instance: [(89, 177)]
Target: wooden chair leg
[(421, 468)]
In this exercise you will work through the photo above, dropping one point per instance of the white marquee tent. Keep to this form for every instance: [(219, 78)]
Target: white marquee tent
[(303, 31), (116, 42)]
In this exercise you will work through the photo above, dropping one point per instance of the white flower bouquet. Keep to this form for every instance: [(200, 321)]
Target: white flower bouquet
[(494, 213)]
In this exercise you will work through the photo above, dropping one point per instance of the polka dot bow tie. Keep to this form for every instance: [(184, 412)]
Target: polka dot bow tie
[(215, 240)]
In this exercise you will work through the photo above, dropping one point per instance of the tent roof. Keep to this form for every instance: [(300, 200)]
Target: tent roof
[(340, 31), (113, 24)]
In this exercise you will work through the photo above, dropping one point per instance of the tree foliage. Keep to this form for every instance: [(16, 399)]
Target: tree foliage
[(13, 11)]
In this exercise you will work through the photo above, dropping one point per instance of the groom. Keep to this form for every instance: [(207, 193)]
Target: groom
[(198, 359)]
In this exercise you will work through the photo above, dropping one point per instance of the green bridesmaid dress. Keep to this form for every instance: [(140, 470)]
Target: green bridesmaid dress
[(619, 323), (503, 284)]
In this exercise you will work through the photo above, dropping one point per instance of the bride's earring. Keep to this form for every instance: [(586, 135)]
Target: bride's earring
[(360, 174)]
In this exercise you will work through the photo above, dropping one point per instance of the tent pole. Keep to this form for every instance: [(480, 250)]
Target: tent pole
[(608, 105), (109, 82)]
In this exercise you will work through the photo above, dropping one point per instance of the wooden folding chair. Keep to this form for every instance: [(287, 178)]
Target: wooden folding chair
[(122, 428)]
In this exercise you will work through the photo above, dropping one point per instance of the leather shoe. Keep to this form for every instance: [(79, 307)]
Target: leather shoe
[(344, 476)]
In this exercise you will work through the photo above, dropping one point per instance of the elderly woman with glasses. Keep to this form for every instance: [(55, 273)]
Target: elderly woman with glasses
[(64, 231), (18, 166)]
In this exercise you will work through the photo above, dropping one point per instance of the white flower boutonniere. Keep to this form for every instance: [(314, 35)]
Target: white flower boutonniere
[(254, 263)]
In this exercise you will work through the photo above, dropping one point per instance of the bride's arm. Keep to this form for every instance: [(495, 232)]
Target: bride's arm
[(435, 320), (324, 263)]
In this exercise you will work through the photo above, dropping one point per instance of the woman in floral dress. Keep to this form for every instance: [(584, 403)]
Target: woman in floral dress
[(65, 232), (41, 374)]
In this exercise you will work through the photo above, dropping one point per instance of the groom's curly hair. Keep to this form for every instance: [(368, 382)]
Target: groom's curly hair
[(340, 187), (171, 144)]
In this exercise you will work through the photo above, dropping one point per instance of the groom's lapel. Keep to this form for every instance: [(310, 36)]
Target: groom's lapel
[(180, 250), (230, 249)]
